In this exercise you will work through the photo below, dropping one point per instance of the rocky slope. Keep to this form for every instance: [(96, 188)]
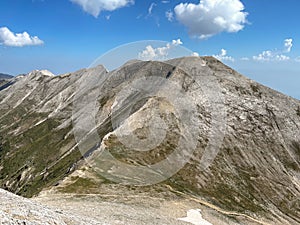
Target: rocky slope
[(202, 131), (15, 210), (103, 210)]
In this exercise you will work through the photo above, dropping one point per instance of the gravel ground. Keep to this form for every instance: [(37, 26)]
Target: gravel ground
[(133, 210), (97, 209)]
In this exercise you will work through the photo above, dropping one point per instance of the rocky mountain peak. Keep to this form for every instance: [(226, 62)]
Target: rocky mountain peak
[(40, 73)]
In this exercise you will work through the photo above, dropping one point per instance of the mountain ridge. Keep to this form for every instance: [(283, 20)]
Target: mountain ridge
[(5, 76), (255, 172)]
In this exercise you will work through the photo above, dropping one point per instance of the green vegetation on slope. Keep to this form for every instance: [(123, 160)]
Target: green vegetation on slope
[(31, 158)]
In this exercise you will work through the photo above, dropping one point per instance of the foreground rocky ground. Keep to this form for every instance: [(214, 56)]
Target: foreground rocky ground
[(16, 210), (95, 209)]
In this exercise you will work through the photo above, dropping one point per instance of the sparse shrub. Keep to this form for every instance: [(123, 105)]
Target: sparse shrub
[(298, 111), (254, 88)]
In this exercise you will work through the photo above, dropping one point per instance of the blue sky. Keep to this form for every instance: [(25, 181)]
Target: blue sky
[(258, 38)]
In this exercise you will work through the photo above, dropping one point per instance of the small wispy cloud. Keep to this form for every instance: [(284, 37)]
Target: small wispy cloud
[(288, 44), (276, 55), (160, 53), (8, 38), (151, 14), (245, 59), (177, 42), (169, 15), (151, 7), (222, 56)]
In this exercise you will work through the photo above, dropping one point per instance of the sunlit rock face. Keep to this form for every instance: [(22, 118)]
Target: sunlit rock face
[(189, 127)]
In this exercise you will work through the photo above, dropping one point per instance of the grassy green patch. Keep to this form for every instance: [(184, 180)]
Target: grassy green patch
[(38, 148), (79, 186)]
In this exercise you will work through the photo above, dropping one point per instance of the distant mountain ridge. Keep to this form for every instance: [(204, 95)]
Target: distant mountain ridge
[(4, 76)]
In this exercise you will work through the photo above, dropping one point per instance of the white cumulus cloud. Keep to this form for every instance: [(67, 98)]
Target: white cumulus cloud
[(222, 56), (94, 7), (9, 38), (196, 54), (177, 42), (211, 17), (276, 55), (160, 53)]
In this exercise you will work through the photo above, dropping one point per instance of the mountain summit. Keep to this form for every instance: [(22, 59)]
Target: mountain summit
[(188, 131)]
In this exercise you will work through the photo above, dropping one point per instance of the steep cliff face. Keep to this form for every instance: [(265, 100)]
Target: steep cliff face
[(190, 126)]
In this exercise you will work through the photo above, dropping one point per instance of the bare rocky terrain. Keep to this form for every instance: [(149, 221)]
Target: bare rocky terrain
[(91, 209), (227, 145), (15, 210)]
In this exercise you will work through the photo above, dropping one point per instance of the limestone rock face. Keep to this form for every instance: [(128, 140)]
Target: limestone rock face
[(191, 127)]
